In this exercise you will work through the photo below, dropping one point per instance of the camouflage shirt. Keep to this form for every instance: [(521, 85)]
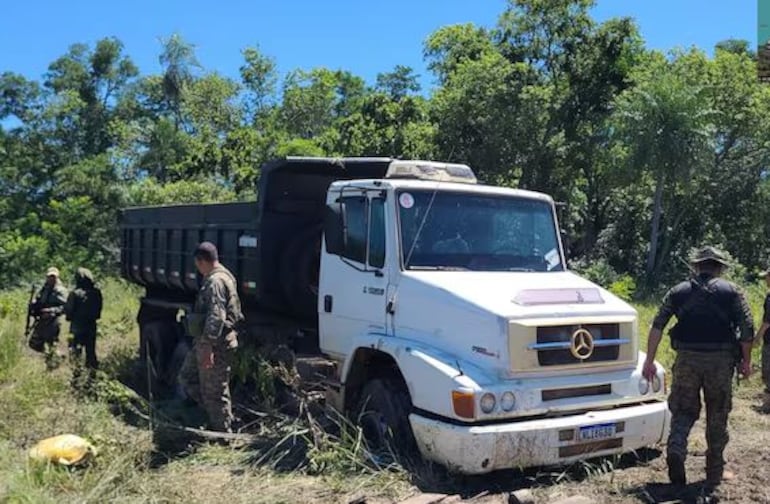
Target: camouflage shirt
[(738, 309), (53, 297), (218, 302)]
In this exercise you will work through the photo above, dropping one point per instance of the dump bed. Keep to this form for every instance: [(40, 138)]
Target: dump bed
[(157, 245), (271, 245)]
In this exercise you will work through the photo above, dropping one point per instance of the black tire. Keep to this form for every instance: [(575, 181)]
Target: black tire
[(159, 342), (299, 272), (383, 414)]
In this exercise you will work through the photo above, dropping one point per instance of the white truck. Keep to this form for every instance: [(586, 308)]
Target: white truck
[(445, 307)]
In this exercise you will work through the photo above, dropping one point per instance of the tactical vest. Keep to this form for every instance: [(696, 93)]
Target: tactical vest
[(703, 320)]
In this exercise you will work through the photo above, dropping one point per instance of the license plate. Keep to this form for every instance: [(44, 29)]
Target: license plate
[(596, 432)]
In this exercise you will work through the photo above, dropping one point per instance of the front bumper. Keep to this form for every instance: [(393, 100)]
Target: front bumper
[(529, 443)]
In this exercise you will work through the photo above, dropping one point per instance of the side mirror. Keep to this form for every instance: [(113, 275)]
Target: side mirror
[(334, 228), (566, 245)]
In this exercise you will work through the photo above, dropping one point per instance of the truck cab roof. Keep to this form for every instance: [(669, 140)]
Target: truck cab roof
[(401, 184)]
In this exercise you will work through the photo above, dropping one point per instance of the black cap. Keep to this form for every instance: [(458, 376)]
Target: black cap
[(206, 251)]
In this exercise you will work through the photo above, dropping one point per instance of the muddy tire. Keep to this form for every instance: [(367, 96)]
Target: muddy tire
[(299, 272), (160, 339), (383, 414)]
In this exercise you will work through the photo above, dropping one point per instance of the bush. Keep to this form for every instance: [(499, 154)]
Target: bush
[(602, 273)]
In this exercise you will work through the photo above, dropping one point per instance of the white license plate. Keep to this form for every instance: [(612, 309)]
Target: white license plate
[(596, 432)]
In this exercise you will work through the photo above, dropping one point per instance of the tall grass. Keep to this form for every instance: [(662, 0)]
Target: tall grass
[(36, 403)]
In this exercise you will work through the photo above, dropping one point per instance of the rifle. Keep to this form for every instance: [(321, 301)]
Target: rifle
[(31, 312)]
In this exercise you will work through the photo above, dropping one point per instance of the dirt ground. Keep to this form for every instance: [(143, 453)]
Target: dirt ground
[(635, 478)]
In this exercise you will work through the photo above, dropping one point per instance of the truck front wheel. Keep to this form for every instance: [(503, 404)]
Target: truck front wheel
[(383, 414)]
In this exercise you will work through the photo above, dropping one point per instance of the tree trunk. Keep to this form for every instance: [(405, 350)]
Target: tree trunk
[(657, 210), (665, 248)]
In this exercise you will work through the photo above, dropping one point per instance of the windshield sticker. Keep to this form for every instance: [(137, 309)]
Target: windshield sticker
[(406, 200), (552, 258)]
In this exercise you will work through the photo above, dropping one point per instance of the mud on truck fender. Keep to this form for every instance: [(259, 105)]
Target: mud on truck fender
[(381, 379)]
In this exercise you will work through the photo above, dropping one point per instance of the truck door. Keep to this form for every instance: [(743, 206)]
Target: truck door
[(353, 284)]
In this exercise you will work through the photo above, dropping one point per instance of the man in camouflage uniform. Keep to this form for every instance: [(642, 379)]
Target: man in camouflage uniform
[(48, 307), (709, 310), (763, 336), (205, 374)]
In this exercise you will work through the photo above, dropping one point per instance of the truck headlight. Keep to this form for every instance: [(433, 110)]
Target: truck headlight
[(656, 384), (507, 401), (487, 402), (644, 386)]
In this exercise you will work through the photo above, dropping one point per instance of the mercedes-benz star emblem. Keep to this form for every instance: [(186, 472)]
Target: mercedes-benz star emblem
[(581, 344)]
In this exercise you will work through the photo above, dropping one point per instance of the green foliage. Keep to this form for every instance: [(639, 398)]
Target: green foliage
[(651, 152), (150, 192), (602, 273)]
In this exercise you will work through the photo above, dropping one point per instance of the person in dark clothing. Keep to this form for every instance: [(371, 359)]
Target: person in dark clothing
[(763, 337), (709, 312), (83, 309)]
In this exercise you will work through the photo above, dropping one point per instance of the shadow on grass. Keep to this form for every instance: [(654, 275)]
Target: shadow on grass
[(693, 493), (432, 478), (273, 439), (125, 388)]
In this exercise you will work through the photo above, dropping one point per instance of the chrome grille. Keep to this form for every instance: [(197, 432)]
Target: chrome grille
[(553, 344)]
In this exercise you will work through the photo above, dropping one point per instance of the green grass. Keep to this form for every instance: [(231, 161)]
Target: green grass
[(297, 462), (135, 464)]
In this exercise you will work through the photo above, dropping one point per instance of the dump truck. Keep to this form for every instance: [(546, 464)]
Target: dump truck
[(443, 308)]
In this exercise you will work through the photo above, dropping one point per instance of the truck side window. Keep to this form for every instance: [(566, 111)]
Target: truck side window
[(377, 233), (355, 216)]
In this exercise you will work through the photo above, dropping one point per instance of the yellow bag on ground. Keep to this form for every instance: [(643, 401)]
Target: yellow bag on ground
[(66, 449)]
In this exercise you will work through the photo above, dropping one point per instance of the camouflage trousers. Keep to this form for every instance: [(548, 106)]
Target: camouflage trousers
[(712, 373), (210, 387), (46, 334)]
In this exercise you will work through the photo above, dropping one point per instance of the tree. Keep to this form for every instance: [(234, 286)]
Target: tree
[(259, 77), (178, 60), (398, 83), (665, 120)]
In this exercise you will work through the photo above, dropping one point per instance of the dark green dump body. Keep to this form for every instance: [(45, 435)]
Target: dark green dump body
[(271, 245)]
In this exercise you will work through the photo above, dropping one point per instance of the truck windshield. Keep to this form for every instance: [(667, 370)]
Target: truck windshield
[(480, 232)]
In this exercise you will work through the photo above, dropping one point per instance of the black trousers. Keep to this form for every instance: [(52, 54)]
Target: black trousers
[(85, 339)]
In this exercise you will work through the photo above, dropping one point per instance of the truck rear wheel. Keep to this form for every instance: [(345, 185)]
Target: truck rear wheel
[(383, 414), (299, 272)]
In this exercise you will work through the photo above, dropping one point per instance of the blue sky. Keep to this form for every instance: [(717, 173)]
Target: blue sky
[(362, 36)]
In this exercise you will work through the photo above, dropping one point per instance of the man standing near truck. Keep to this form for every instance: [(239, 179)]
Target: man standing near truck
[(708, 311), (48, 307), (763, 336), (205, 374), (83, 309)]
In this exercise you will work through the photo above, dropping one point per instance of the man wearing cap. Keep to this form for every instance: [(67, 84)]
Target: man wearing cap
[(763, 335), (709, 310), (48, 306), (205, 374)]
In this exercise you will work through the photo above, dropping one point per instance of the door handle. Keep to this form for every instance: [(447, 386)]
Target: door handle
[(327, 303)]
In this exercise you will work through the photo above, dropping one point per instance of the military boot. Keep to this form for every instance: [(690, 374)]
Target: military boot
[(716, 472), (765, 408), (676, 471)]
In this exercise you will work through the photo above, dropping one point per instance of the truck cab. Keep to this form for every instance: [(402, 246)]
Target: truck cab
[(449, 304)]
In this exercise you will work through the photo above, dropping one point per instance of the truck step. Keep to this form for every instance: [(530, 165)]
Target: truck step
[(315, 368)]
